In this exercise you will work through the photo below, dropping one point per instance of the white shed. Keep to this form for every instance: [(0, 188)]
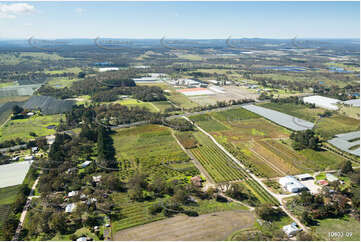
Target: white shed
[(291, 229)]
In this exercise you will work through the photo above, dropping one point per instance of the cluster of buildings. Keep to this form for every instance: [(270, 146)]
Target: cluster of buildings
[(292, 184)]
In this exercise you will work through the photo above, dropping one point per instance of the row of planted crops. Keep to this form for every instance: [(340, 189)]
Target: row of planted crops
[(222, 168)]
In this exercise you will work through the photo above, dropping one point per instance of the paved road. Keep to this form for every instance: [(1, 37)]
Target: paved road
[(25, 210), (279, 197)]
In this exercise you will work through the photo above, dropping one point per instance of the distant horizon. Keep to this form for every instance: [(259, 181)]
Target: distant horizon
[(180, 20)]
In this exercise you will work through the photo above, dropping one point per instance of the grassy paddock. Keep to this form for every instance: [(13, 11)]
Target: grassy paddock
[(21, 128)]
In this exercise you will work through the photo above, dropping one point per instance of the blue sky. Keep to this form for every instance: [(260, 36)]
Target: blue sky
[(180, 19)]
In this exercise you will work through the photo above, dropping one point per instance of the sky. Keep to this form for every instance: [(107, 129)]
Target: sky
[(197, 20)]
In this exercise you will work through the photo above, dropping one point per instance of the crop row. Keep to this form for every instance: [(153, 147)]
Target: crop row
[(222, 168)]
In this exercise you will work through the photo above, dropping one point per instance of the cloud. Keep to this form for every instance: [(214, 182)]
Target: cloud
[(80, 11), (11, 11)]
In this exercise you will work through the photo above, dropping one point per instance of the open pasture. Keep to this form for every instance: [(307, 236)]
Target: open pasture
[(131, 102), (337, 124), (21, 128)]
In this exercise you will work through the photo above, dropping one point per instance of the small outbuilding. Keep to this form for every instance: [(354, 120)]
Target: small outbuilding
[(70, 207), (291, 229), (85, 163), (331, 178)]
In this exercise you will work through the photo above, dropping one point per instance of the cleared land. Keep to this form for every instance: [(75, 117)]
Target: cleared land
[(23, 127), (349, 227), (216, 226)]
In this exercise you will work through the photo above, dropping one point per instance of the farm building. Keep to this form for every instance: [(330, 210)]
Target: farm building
[(331, 178), (73, 193), (322, 102), (348, 142), (304, 177), (352, 102), (291, 229), (291, 184), (195, 91), (104, 69)]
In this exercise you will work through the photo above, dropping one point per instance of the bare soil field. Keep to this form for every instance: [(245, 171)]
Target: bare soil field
[(230, 93), (214, 226)]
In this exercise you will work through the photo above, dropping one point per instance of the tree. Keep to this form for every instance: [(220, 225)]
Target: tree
[(346, 167), (306, 218), (9, 227), (267, 212), (58, 222)]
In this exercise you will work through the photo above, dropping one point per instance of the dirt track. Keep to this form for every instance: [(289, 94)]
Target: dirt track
[(214, 226)]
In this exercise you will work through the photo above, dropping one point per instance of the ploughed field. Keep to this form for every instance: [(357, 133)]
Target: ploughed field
[(214, 226)]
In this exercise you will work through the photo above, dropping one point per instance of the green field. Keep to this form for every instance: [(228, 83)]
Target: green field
[(206, 122), (61, 82), (222, 168), (21, 128), (152, 146), (337, 124), (131, 102), (349, 227), (162, 105)]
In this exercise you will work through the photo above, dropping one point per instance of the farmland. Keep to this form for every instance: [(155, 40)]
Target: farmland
[(262, 146), (152, 145), (327, 127), (131, 102), (23, 127), (222, 168), (215, 226)]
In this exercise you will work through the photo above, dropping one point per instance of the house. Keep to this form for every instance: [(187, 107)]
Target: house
[(85, 163), (197, 181), (34, 149), (50, 139), (304, 177), (323, 182), (331, 178), (97, 178), (291, 229), (291, 184), (73, 193), (70, 207)]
